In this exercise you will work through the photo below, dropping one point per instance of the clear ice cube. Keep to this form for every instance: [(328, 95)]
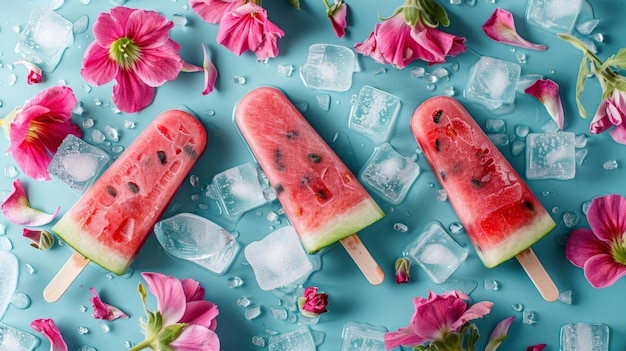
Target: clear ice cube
[(436, 252), (300, 339), (9, 273), (374, 114), (363, 337), (551, 155), (389, 173), (198, 240), (585, 337), (240, 189), (328, 67), (44, 38), (556, 16), (78, 163), (13, 339), (279, 259), (492, 82)]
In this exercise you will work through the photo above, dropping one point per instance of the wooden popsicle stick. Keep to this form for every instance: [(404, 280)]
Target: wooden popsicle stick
[(363, 259), (64, 278), (538, 275)]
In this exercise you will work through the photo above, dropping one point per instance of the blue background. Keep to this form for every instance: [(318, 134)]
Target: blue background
[(351, 297)]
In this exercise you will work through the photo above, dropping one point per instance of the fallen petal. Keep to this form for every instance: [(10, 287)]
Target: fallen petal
[(51, 332), (104, 311), (42, 239), (499, 333), (34, 72), (547, 92), (210, 73), (17, 208), (501, 28), (537, 347)]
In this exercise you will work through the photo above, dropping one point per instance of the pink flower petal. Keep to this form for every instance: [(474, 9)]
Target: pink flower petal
[(97, 67), (212, 11), (607, 217), (538, 347), (601, 120), (51, 332), (200, 312), (169, 294), (404, 336), (104, 311), (501, 28), (196, 338), (499, 333), (160, 64), (34, 72), (618, 133), (582, 244), (337, 15), (210, 73), (16, 208), (602, 270), (42, 239), (130, 94), (547, 92)]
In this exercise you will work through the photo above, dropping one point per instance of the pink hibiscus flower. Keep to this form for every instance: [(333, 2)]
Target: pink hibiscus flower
[(133, 47), (611, 113), (411, 34), (247, 28), (37, 130), (436, 317), (601, 250), (185, 322)]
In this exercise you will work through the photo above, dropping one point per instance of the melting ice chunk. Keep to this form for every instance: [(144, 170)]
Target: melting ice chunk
[(328, 67), (9, 272), (13, 339), (279, 259), (492, 82), (436, 252), (362, 337), (300, 339), (241, 188), (197, 240), (556, 16), (44, 38), (551, 155), (584, 336), (374, 114)]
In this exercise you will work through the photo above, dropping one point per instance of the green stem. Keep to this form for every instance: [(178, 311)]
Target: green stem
[(327, 5), (141, 346)]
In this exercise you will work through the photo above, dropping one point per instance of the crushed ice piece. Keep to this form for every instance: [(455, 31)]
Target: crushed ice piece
[(492, 285), (9, 274), (456, 228), (449, 90), (517, 147), (323, 101), (239, 80), (252, 311), (599, 37), (179, 20), (529, 317), (81, 24), (13, 339), (495, 126), (379, 71), (235, 282), (285, 70), (570, 219), (580, 156), (82, 330), (585, 336), (466, 286), (610, 164), (88, 123), (97, 136), (278, 312), (565, 297), (328, 67), (129, 124), (517, 307), (11, 79), (6, 244), (418, 72), (258, 341), (521, 58), (111, 133), (10, 171), (585, 207), (586, 27), (243, 301), (400, 227)]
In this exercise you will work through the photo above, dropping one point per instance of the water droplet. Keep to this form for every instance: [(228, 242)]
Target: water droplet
[(258, 341), (10, 171), (400, 227), (239, 80), (88, 123), (529, 317), (517, 307), (492, 285), (610, 164), (235, 282), (83, 330), (20, 300), (179, 20)]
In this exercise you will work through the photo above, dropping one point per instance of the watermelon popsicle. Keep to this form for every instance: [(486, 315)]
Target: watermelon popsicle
[(110, 223), (501, 216), (323, 200)]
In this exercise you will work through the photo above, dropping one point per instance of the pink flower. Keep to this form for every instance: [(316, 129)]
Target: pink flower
[(51, 332), (247, 28), (406, 36), (16, 208), (601, 251), (538, 347), (499, 333), (210, 72), (337, 16), (436, 317), (501, 28), (312, 303), (611, 113), (37, 130), (212, 11), (42, 239), (184, 321), (547, 92), (104, 311), (35, 75), (133, 47), (403, 267)]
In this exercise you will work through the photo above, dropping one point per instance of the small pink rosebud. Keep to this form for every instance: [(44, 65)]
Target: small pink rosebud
[(403, 266), (313, 303), (35, 74), (42, 239)]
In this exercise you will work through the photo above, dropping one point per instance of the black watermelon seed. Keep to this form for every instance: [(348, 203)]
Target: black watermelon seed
[(162, 157), (477, 183), (190, 151), (278, 188), (315, 158), (278, 163), (529, 205), (133, 187), (111, 191), (292, 134), (437, 116), (443, 175), (437, 146)]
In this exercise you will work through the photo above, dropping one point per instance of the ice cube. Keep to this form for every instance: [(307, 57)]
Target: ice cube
[(13, 339), (436, 252), (550, 155), (197, 240), (78, 163), (492, 82), (585, 337), (44, 38), (363, 337), (328, 67), (279, 259), (556, 16), (300, 339), (374, 114), (389, 173), (9, 273), (240, 189)]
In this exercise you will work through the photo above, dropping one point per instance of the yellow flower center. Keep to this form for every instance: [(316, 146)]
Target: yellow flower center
[(124, 52)]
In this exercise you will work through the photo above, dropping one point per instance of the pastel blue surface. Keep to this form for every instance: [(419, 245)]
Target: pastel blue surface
[(352, 299)]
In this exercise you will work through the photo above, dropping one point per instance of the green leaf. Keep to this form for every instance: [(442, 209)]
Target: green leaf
[(574, 41), (170, 333), (433, 13), (618, 60), (583, 71), (294, 3), (620, 84)]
